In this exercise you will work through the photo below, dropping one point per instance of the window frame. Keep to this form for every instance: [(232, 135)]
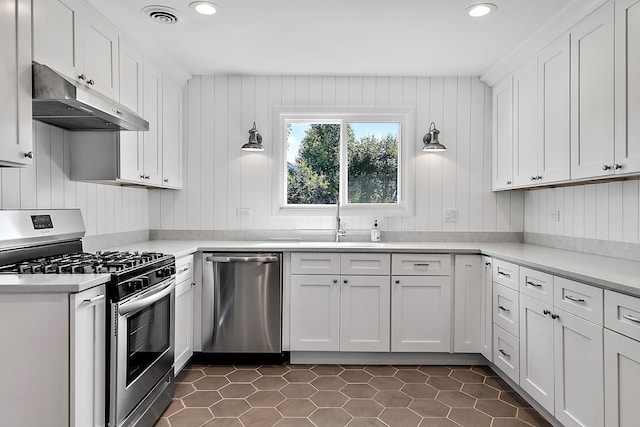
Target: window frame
[(406, 159)]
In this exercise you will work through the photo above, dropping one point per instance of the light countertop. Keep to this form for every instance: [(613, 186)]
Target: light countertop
[(50, 283)]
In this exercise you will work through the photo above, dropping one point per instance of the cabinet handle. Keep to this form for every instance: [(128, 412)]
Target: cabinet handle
[(166, 180), (345, 281), (94, 299), (91, 82), (504, 353), (606, 167), (617, 166), (142, 176), (537, 285), (182, 270), (555, 316), (29, 154), (632, 318), (574, 299), (532, 178), (502, 273), (503, 308), (82, 77), (508, 182), (335, 280), (546, 312), (147, 177), (193, 284), (487, 264), (397, 282), (421, 264)]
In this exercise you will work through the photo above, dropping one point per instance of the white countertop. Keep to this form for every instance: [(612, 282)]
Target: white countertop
[(609, 273)]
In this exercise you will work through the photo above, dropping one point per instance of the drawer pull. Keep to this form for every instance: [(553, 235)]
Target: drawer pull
[(503, 309), (421, 264), (537, 285), (632, 318), (335, 280), (487, 264), (94, 299), (183, 270), (504, 353), (555, 316), (546, 312), (502, 273), (574, 299)]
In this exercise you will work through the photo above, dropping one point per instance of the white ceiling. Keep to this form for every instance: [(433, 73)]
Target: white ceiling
[(334, 37)]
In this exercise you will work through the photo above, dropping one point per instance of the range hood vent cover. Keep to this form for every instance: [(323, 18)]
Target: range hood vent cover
[(60, 102)]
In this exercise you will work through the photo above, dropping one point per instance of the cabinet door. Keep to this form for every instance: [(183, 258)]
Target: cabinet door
[(467, 296), (554, 118), (536, 351), (622, 376), (54, 35), (502, 143), (579, 371), (526, 143), (315, 313), (486, 310), (98, 51), (152, 112), (183, 325), (592, 95), (364, 313), (627, 145), (130, 144), (88, 357), (171, 134), (421, 313), (15, 90)]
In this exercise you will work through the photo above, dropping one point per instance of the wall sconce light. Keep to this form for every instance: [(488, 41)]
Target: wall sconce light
[(430, 140), (255, 140)]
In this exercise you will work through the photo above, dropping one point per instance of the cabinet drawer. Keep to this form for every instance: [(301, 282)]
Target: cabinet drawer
[(184, 269), (365, 264), (506, 353), (506, 308), (505, 273), (420, 265), (577, 298), (315, 263), (622, 314), (536, 284)]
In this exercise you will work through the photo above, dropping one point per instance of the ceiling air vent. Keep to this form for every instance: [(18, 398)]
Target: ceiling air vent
[(162, 14)]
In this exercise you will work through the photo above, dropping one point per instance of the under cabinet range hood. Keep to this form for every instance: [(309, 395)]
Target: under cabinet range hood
[(63, 103)]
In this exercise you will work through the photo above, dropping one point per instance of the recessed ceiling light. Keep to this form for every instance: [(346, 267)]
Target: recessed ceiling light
[(204, 7), (481, 9)]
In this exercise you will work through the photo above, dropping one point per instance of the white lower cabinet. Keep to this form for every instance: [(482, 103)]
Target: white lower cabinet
[(506, 352), (467, 293), (622, 376), (486, 310), (421, 313), (183, 313)]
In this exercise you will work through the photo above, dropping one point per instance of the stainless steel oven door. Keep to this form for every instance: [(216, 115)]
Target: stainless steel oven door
[(142, 347)]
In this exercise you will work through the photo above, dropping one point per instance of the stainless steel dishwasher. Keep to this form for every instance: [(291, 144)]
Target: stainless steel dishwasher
[(242, 303)]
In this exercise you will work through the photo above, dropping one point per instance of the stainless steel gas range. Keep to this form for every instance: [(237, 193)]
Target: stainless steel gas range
[(140, 306)]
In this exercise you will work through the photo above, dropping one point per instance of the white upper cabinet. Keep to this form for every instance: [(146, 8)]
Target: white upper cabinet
[(72, 40), (15, 90), (525, 120), (130, 148), (502, 143), (152, 112), (171, 134), (554, 99), (592, 81), (627, 88)]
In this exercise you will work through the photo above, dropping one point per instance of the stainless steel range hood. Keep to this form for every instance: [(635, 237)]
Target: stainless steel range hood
[(63, 103)]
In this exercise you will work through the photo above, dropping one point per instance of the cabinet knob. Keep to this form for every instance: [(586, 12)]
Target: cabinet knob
[(546, 312), (397, 282), (606, 167), (82, 77), (538, 178), (555, 316), (91, 82), (617, 166), (487, 264), (142, 176), (335, 280), (29, 154), (166, 180), (345, 281), (508, 182), (532, 178), (147, 177)]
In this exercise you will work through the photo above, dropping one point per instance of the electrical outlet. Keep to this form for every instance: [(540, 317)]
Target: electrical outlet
[(554, 215), (243, 212), (451, 215)]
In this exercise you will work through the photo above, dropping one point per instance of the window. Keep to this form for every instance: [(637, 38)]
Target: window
[(358, 159)]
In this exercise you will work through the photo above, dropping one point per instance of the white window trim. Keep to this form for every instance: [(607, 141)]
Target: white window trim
[(406, 196)]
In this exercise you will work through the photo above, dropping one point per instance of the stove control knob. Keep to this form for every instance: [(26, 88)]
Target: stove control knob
[(137, 284)]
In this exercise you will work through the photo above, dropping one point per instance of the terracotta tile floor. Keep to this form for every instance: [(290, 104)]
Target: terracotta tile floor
[(344, 395)]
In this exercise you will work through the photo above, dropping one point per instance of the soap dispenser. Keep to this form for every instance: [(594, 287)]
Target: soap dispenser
[(375, 232)]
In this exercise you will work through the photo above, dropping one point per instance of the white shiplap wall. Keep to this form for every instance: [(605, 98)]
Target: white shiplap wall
[(607, 211), (219, 177), (46, 184)]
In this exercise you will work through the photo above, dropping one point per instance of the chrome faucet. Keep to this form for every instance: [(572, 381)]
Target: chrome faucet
[(339, 231)]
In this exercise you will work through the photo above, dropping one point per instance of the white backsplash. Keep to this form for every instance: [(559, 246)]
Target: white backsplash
[(46, 184), (219, 177)]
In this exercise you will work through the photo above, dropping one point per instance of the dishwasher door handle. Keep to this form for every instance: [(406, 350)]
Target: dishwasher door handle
[(264, 259)]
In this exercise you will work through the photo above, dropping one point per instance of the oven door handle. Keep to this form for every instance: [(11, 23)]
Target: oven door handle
[(265, 259), (146, 299)]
